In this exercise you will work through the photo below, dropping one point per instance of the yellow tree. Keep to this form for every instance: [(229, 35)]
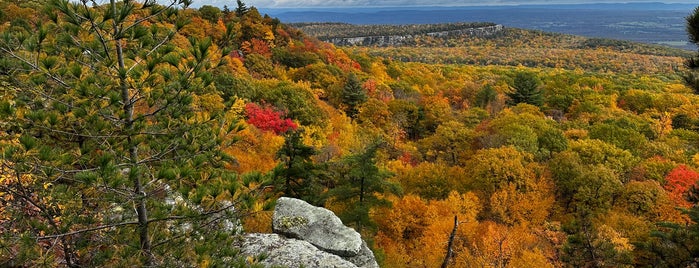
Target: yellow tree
[(414, 232)]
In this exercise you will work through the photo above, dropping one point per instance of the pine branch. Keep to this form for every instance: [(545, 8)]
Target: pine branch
[(141, 20), (138, 62), (76, 134), (121, 224), (103, 41), (34, 66), (101, 227)]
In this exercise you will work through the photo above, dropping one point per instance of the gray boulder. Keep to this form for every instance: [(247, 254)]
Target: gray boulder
[(285, 252), (365, 258), (307, 236), (318, 226)]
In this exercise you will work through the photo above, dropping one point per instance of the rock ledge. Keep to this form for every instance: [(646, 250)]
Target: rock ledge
[(308, 236)]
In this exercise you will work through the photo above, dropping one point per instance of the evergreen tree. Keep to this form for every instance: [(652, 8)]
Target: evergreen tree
[(110, 156), (358, 185), (241, 9), (591, 246), (691, 77), (353, 95), (296, 173), (675, 244), (527, 89), (486, 96)]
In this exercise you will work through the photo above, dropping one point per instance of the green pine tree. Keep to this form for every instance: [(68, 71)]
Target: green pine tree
[(353, 95), (486, 96), (241, 9), (106, 156), (296, 173), (691, 77), (358, 183), (527, 89)]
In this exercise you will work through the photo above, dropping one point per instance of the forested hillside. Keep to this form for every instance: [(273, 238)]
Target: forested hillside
[(510, 47), (136, 134), (325, 31)]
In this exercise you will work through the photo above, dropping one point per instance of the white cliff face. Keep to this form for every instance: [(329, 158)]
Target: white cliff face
[(308, 236)]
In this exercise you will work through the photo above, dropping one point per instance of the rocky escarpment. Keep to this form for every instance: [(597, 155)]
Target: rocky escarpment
[(307, 236), (397, 40)]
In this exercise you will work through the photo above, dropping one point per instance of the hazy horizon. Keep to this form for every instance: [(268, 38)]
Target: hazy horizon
[(411, 3)]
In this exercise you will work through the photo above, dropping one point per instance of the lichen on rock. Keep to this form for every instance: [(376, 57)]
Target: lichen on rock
[(308, 236), (288, 222)]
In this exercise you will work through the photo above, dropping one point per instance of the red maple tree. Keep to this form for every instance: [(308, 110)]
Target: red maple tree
[(267, 119), (678, 182)]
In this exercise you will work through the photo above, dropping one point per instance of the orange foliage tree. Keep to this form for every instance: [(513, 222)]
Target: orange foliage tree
[(414, 232)]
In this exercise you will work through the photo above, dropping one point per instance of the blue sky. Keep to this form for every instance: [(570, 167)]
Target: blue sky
[(398, 3)]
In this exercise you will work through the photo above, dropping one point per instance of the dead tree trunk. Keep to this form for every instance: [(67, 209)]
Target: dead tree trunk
[(450, 251)]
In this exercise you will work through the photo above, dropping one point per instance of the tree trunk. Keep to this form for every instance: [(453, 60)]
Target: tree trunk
[(143, 222), (361, 191), (450, 251), (289, 164), (134, 175), (588, 245)]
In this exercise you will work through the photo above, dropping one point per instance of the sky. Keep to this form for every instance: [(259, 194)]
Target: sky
[(400, 3)]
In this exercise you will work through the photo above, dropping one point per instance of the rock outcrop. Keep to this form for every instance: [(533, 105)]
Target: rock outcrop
[(308, 236), (319, 226), (398, 40), (281, 251)]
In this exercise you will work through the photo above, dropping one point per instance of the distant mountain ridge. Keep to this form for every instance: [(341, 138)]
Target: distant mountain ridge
[(395, 40), (470, 34), (343, 34), (577, 6), (655, 23)]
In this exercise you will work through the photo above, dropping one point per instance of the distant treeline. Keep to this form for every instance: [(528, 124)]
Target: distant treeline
[(419, 35), (634, 47), (325, 31)]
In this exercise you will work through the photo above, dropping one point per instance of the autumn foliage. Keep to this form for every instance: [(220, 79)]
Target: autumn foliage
[(591, 175), (267, 119), (678, 182)]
